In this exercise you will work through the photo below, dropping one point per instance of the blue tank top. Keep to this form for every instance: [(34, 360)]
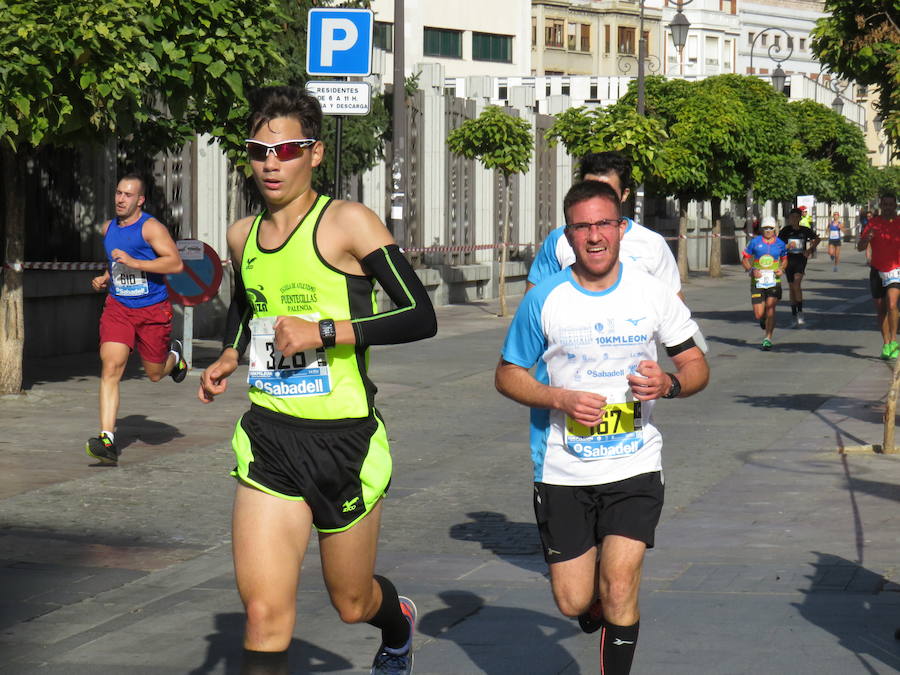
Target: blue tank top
[(131, 287)]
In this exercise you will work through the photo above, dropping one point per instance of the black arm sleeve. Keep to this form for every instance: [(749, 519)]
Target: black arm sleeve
[(413, 319), (237, 323), (683, 347)]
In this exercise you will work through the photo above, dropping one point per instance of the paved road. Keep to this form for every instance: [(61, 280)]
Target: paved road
[(776, 552)]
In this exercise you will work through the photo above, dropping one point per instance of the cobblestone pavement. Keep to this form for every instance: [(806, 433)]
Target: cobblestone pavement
[(776, 552)]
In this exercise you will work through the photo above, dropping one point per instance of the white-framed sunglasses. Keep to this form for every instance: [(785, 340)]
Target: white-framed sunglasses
[(283, 150)]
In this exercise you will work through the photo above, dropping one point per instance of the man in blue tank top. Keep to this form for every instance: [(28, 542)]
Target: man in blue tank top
[(137, 311)]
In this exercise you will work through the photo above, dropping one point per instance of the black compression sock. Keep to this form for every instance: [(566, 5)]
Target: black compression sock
[(617, 644), (800, 307), (762, 323), (264, 663), (395, 630), (794, 310)]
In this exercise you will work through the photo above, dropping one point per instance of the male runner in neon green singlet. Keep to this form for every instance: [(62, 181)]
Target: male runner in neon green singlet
[(312, 450)]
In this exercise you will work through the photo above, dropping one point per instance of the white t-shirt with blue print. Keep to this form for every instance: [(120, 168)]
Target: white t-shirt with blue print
[(589, 341), (640, 246)]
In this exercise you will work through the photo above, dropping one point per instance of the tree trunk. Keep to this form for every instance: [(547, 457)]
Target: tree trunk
[(890, 412), (504, 250), (715, 246), (12, 317), (682, 239)]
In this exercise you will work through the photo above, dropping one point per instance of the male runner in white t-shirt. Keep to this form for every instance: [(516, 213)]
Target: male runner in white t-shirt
[(640, 245), (592, 330)]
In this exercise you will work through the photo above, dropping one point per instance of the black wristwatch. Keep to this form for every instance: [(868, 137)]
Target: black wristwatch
[(327, 332), (676, 387)]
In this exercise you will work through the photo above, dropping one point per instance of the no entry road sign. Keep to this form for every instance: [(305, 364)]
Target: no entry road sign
[(199, 281)]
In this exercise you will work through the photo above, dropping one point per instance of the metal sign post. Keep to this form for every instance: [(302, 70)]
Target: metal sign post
[(198, 282), (339, 44)]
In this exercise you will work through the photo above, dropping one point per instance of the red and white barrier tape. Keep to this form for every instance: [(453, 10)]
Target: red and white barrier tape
[(458, 249), (18, 267), (99, 266)]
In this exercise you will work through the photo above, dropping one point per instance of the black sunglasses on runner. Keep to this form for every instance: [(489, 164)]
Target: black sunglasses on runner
[(283, 150)]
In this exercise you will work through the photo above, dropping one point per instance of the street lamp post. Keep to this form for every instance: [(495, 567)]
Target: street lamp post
[(679, 27), (778, 79), (836, 85), (779, 76), (644, 63)]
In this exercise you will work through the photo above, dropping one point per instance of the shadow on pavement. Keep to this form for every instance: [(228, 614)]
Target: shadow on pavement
[(498, 535), (138, 428), (83, 366), (814, 321), (756, 336), (531, 637), (841, 598), (225, 646)]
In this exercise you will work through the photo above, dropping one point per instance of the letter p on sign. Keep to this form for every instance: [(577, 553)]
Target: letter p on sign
[(339, 42)]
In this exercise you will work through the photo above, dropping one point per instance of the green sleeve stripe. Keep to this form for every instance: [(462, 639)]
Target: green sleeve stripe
[(237, 338), (400, 310)]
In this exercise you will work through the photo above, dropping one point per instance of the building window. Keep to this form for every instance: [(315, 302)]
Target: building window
[(777, 40), (802, 44), (764, 39), (606, 40), (729, 6), (579, 37), (750, 37), (443, 42), (384, 36), (490, 47), (626, 40), (553, 33), (533, 31)]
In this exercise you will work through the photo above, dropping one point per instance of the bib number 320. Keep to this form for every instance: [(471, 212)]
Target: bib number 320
[(301, 374)]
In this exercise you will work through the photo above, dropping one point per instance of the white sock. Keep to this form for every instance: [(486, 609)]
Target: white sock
[(110, 435)]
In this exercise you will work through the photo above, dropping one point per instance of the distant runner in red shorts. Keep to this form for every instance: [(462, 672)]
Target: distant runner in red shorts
[(137, 312)]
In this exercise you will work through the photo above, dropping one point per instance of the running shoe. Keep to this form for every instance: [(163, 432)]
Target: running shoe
[(800, 320), (895, 349), (592, 620), (388, 661), (835, 269), (102, 449), (766, 345), (180, 369), (886, 352)]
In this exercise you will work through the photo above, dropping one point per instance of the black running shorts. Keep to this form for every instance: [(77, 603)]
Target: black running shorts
[(758, 295), (573, 519), (875, 287), (796, 265), (340, 468)]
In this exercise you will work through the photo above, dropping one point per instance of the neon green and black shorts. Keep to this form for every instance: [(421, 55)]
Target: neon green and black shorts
[(340, 468)]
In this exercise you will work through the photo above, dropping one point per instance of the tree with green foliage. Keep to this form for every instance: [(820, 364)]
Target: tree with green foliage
[(860, 40), (618, 127), (834, 157), (886, 180), (154, 72), (504, 143)]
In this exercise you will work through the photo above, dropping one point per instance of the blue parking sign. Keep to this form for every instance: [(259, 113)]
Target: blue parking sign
[(339, 42)]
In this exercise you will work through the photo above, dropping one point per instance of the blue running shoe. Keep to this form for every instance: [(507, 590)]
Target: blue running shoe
[(393, 661)]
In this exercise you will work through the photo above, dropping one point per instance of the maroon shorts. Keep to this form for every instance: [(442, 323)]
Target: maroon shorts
[(149, 327)]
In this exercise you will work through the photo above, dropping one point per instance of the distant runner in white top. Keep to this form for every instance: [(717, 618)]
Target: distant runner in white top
[(640, 246)]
